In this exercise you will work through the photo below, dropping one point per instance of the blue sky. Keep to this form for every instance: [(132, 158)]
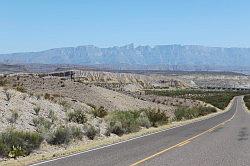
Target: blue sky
[(33, 25)]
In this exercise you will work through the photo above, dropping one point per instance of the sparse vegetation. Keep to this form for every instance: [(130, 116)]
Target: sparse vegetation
[(143, 120), (47, 96), (247, 101), (76, 133), (3, 82), (190, 113), (127, 119), (37, 110), (91, 132), (20, 89), (116, 128), (14, 116), (99, 112), (65, 104), (57, 124), (7, 94), (60, 136), (52, 116), (219, 99), (77, 116), (121, 122), (156, 117), (42, 124), (18, 143), (64, 134)]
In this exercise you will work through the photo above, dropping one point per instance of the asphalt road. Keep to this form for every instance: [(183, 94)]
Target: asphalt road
[(206, 142)]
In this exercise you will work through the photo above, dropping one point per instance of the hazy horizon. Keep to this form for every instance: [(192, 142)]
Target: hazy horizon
[(135, 46)]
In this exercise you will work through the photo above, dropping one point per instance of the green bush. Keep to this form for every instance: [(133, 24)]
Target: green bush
[(116, 128), (42, 124), (61, 135), (15, 152), (18, 143), (91, 132), (64, 134), (186, 113), (206, 110), (77, 116), (189, 113), (99, 112), (127, 119), (219, 99), (122, 122), (156, 117), (247, 101), (76, 133), (143, 120)]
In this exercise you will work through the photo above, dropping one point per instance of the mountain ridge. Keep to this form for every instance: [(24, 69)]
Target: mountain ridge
[(169, 55)]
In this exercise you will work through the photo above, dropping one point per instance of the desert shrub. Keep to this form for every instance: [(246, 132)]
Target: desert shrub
[(247, 101), (206, 110), (42, 124), (143, 120), (189, 113), (91, 132), (14, 116), (77, 116), (76, 133), (99, 112), (186, 113), (37, 110), (20, 89), (116, 128), (61, 135), (3, 82), (52, 116), (127, 119), (64, 134), (65, 104), (7, 94), (18, 143), (47, 96), (38, 97), (219, 99), (156, 117)]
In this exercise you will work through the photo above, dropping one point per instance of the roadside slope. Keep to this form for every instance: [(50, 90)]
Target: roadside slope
[(131, 151)]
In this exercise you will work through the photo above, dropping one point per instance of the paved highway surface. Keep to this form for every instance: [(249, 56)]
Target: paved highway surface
[(220, 140)]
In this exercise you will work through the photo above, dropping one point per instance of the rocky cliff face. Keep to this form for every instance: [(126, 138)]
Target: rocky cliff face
[(168, 55)]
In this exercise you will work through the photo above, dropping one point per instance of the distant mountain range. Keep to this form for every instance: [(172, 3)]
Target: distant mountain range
[(128, 56)]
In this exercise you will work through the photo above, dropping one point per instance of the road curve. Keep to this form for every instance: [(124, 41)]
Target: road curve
[(227, 145), (208, 142)]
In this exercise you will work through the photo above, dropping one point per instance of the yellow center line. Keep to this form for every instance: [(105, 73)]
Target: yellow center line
[(183, 142)]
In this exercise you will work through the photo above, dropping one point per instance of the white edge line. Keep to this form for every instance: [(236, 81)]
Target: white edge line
[(109, 145)]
